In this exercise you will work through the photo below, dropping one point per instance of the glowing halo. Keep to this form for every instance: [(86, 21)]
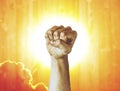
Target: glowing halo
[(37, 42)]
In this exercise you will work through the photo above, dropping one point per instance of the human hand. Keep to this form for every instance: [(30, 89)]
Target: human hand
[(60, 40)]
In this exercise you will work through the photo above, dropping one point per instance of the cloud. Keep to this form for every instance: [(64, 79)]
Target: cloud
[(15, 77)]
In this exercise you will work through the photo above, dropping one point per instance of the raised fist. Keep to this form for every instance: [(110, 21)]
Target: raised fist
[(60, 40)]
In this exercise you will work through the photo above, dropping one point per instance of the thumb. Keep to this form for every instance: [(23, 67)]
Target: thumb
[(63, 45)]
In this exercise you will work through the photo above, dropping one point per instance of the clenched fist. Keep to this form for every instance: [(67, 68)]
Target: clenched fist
[(60, 40)]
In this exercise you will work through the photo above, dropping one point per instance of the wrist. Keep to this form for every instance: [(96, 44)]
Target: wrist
[(65, 57), (60, 62)]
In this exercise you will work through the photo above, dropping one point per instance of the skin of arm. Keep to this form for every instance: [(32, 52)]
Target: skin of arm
[(59, 42)]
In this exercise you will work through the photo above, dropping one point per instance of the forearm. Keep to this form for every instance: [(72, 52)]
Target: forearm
[(59, 79)]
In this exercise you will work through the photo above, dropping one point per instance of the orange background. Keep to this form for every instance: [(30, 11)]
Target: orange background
[(100, 70)]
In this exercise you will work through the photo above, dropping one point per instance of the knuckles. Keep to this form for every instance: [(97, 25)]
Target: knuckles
[(60, 32)]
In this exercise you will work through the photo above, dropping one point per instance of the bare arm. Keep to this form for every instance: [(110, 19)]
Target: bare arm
[(59, 44), (59, 80)]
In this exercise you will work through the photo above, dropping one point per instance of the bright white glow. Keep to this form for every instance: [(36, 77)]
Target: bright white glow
[(37, 42)]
